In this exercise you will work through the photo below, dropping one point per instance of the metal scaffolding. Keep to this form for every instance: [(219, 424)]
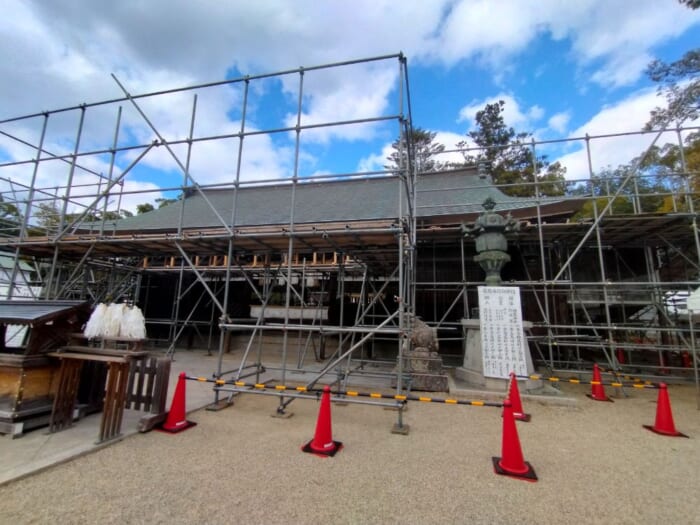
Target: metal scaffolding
[(597, 288)]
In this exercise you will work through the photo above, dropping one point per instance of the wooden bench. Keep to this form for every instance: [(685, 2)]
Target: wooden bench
[(114, 394), (133, 380)]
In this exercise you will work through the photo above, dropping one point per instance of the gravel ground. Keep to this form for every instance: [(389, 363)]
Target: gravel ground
[(595, 462)]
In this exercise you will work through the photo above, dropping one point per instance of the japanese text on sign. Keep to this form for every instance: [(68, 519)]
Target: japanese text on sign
[(503, 344)]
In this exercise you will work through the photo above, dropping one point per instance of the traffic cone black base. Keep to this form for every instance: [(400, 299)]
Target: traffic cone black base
[(528, 475), (337, 445), (596, 398), (184, 426), (662, 433)]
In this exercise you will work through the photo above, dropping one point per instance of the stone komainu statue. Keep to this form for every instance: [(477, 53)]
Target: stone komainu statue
[(421, 360), (423, 336)]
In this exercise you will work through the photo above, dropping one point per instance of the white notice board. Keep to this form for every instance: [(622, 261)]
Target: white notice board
[(503, 343)]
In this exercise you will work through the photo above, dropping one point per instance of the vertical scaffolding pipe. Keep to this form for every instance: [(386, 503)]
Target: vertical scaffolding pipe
[(696, 238), (175, 311), (186, 169), (543, 261), (405, 174), (467, 313), (231, 240), (112, 160), (601, 262), (66, 198), (212, 321), (267, 293), (401, 290), (340, 294), (689, 197), (290, 246), (435, 296), (412, 194), (302, 303), (28, 207)]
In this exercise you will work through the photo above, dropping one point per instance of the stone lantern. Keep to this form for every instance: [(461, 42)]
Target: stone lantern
[(491, 244)]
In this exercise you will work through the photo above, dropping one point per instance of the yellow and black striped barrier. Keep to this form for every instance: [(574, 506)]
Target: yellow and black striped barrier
[(572, 380), (347, 393)]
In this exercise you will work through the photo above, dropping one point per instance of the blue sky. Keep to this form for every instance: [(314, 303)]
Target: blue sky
[(564, 69)]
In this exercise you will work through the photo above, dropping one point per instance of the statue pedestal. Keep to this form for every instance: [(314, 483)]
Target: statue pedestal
[(425, 371), (472, 369)]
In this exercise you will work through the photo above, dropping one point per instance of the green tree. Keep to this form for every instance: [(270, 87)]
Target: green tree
[(680, 166), (10, 218), (162, 202), (424, 148), (114, 215), (679, 82), (509, 157), (47, 215), (8, 210), (144, 208), (650, 189)]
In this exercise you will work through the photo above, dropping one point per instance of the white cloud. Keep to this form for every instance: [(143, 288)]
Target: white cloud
[(61, 53), (375, 161), (615, 136), (332, 98), (535, 113), (513, 115), (450, 141), (611, 39), (559, 121)]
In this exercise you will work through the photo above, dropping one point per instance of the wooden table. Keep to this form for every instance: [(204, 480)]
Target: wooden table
[(114, 393)]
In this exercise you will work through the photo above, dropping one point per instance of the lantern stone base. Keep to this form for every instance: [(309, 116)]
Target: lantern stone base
[(472, 370)]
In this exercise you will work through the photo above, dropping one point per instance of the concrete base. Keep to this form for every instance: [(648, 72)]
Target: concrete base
[(220, 405), (425, 371), (472, 369), (476, 379), (547, 395), (402, 430)]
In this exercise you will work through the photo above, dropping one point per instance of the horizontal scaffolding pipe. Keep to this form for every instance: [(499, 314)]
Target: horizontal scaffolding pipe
[(302, 392), (238, 80), (325, 330), (566, 284), (241, 390), (554, 379)]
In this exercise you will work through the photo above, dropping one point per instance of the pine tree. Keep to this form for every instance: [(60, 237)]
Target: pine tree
[(509, 158)]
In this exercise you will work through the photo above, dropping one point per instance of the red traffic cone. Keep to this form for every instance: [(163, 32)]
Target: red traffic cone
[(322, 444), (514, 396), (664, 416), (176, 420), (511, 462), (597, 388)]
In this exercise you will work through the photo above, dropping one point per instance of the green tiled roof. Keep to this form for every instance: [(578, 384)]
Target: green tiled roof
[(441, 193)]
